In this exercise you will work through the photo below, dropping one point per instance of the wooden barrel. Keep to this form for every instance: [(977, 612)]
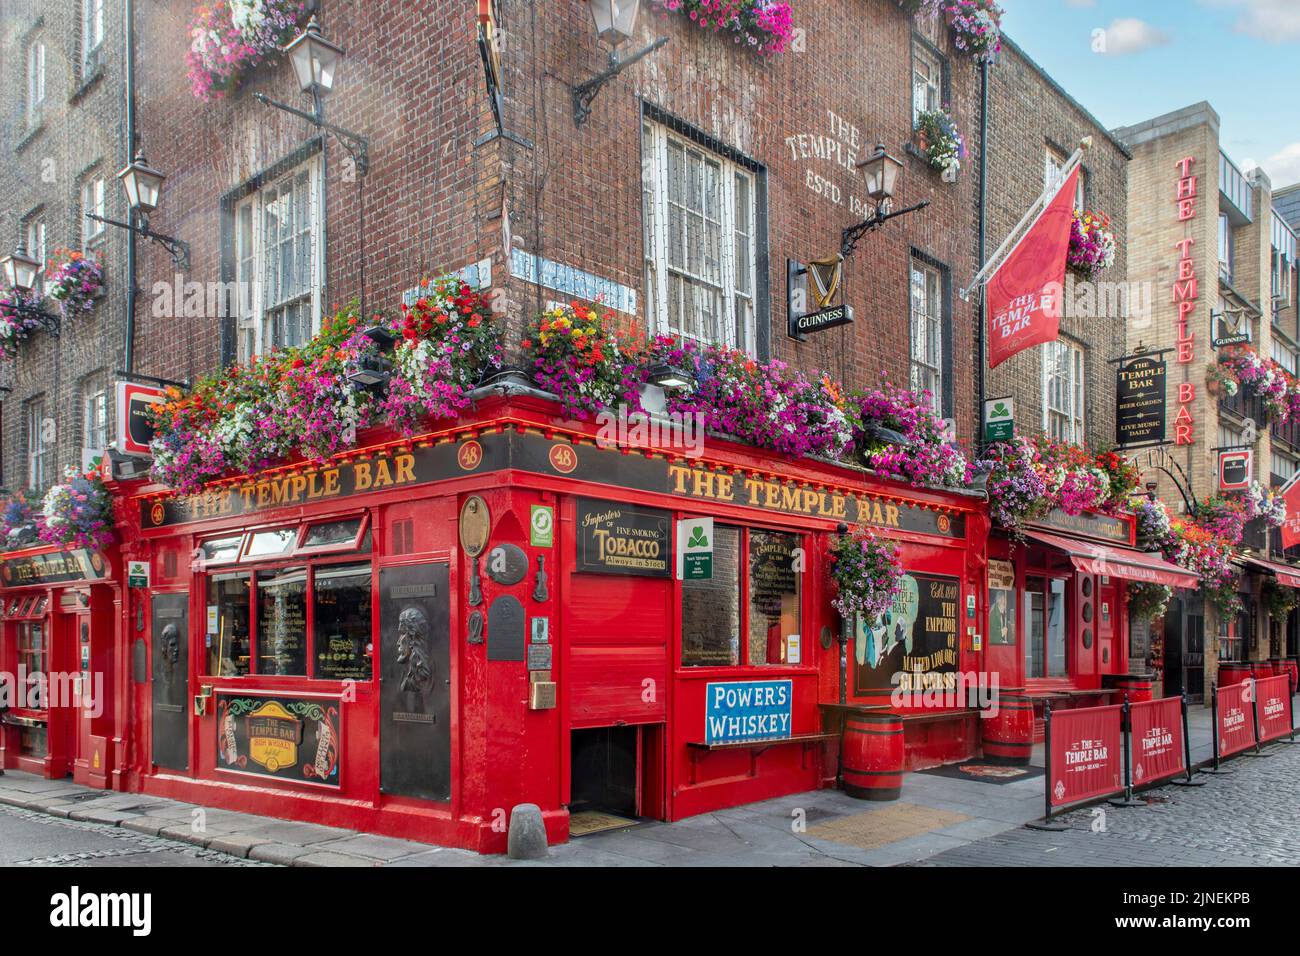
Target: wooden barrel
[(1233, 672), (1008, 736), (1280, 666), (1293, 669), (873, 756), (1261, 669), (1138, 687)]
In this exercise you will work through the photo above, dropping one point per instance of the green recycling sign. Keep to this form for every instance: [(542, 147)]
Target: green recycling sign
[(695, 549)]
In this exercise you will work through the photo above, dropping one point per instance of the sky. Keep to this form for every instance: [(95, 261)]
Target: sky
[(1130, 60)]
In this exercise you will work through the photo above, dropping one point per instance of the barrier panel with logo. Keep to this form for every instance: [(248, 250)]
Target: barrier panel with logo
[(1157, 740), (1234, 720), (1273, 707), (1085, 754)]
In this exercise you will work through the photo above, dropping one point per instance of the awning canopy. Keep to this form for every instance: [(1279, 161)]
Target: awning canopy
[(1287, 576), (1118, 562)]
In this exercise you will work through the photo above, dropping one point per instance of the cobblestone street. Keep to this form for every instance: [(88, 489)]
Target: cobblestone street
[(1247, 817)]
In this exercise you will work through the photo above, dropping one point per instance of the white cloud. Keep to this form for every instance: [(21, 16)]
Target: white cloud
[(1276, 21), (1283, 167), (1131, 35)]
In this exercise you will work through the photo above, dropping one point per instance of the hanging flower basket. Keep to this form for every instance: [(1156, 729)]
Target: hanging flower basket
[(976, 25), (18, 522), (763, 26), (1092, 244), (897, 434), (941, 143), (76, 281), (866, 571), (1147, 601), (17, 325), (78, 514), (230, 37)]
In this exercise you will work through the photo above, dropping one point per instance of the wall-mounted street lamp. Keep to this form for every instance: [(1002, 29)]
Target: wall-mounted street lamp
[(316, 63), (20, 271), (143, 185), (881, 171), (615, 24), (371, 369)]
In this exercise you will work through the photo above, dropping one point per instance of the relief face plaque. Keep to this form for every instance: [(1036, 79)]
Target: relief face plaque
[(415, 682), (171, 684)]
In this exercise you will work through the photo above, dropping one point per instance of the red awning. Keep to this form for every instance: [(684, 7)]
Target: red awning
[(1287, 576), (1118, 562)]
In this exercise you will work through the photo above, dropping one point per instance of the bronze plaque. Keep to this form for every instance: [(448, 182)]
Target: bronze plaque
[(506, 629), (171, 681), (475, 525), (415, 681), (541, 695), (507, 564)]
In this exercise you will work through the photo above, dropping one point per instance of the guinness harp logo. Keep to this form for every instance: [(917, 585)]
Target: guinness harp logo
[(824, 278)]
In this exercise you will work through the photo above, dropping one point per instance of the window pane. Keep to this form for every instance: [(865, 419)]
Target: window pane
[(266, 543), (1034, 629), (1056, 629), (711, 609), (221, 549), (228, 650), (282, 622), (332, 532), (343, 645), (773, 595)]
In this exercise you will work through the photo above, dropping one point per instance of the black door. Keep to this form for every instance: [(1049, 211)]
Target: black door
[(171, 681), (415, 681), (1173, 662), (604, 770), (1194, 654)]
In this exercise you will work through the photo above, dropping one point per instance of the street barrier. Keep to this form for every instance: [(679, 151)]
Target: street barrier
[(1273, 717), (1234, 720), (1159, 741), (1084, 755)]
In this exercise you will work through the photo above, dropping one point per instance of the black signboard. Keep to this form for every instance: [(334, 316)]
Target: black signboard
[(414, 681), (170, 697), (836, 315), (1089, 525), (287, 738), (915, 645), (54, 567), (621, 539), (505, 626), (1140, 402)]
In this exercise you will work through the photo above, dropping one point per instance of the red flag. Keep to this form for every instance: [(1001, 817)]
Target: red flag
[(1291, 527), (1024, 295)]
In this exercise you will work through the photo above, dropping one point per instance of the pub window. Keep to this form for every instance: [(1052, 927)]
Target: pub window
[(1045, 627), (333, 535), (38, 248), (774, 593), (37, 446), (927, 79), (341, 628), (92, 35), (221, 550), (1053, 166), (282, 622), (711, 608), (32, 662), (92, 203), (270, 544), (1063, 390), (94, 422), (927, 307), (756, 590), (229, 650), (35, 85)]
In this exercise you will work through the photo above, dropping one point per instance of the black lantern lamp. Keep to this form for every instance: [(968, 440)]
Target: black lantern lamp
[(881, 171), (20, 271), (143, 186), (315, 60), (668, 377), (615, 22), (372, 370)]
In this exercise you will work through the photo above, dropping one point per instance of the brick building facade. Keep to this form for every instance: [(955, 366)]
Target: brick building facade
[(63, 142)]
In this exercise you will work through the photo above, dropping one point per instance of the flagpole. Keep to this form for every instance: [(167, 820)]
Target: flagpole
[(1027, 221)]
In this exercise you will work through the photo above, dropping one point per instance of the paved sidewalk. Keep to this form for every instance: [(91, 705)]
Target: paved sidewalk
[(936, 815)]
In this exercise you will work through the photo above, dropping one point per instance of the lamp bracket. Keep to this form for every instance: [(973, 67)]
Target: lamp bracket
[(584, 93), (851, 236), (178, 249), (357, 146)]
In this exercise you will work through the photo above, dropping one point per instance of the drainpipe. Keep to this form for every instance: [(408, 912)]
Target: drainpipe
[(980, 240), (128, 351)]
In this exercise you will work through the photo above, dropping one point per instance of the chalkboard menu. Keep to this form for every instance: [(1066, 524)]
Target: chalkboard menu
[(282, 622), (288, 738), (621, 539), (915, 645)]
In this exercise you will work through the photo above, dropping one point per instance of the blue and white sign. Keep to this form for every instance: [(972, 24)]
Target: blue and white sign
[(748, 710), (572, 282)]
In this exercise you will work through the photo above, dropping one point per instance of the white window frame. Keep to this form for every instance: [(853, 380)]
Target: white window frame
[(93, 200), (257, 298), (36, 247), (94, 414), (92, 33), (1286, 356), (1063, 395), (1053, 164), (1289, 465), (927, 83), (926, 358), (37, 453), (35, 81), (736, 285), (1225, 247)]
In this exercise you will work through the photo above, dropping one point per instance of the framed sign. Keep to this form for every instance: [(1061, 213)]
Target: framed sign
[(621, 539), (1236, 468), (1140, 402), (133, 429), (288, 738), (914, 647), (748, 710)]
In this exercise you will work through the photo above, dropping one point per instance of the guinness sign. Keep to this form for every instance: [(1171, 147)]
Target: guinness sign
[(819, 281)]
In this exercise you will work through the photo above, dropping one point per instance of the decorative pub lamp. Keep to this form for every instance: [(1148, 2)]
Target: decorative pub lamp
[(20, 271), (881, 170), (615, 22)]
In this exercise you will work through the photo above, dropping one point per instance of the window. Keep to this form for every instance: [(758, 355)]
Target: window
[(1230, 437), (700, 239), (927, 79), (35, 81), (278, 254), (1225, 248), (37, 453), (1045, 627), (342, 624), (32, 662), (756, 590), (1063, 391), (927, 332), (1285, 355), (1284, 467), (1054, 163), (282, 622), (221, 550), (92, 34), (94, 416), (37, 248), (269, 544), (229, 650), (92, 201)]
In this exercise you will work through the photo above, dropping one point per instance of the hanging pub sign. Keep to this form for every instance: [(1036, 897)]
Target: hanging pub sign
[(914, 647), (620, 539), (288, 738), (133, 429), (1229, 327), (816, 284), (1236, 468), (52, 567), (1140, 402)]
